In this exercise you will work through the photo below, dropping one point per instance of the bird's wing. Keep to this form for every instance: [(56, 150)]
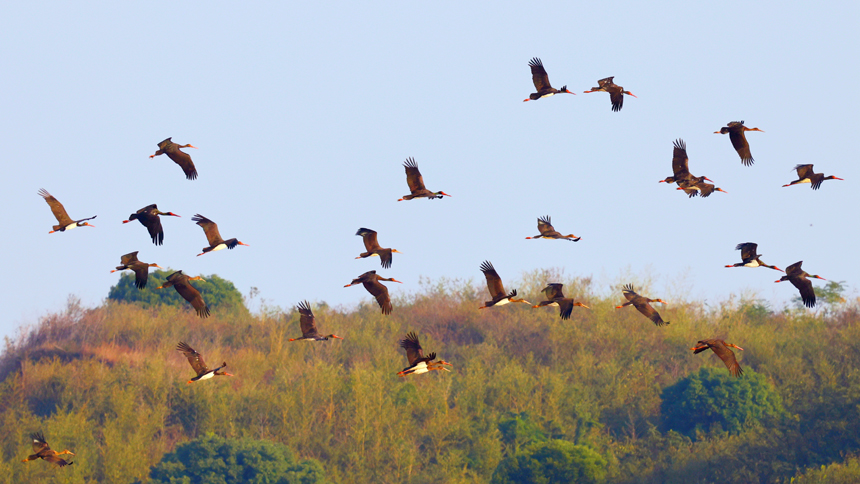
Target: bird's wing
[(194, 358), (739, 141), (413, 176), (617, 99), (680, 162), (545, 227), (141, 273), (794, 269), (129, 258), (183, 159), (539, 75), (414, 352), (56, 207), (645, 308), (728, 357), (604, 82), (494, 282), (629, 293), (210, 228), (748, 250), (155, 230), (307, 321), (192, 295), (807, 292), (816, 179), (380, 292), (803, 171), (369, 238), (385, 258), (39, 443), (53, 459), (565, 307), (553, 291)]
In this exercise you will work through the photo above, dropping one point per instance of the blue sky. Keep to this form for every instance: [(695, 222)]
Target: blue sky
[(304, 113)]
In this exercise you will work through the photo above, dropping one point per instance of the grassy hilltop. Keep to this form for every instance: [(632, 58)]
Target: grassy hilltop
[(607, 390)]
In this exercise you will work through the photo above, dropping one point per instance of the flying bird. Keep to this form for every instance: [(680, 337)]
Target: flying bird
[(182, 284), (555, 297), (309, 325), (370, 280), (65, 222), (418, 363), (736, 130), (497, 290), (750, 258), (720, 347), (41, 450), (616, 92), (196, 361), (541, 80), (641, 303), (181, 158), (681, 167), (373, 248), (140, 269), (416, 183), (547, 231), (700, 188), (799, 279), (148, 217), (210, 228), (805, 175)]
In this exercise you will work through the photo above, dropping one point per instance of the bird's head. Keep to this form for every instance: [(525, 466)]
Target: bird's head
[(396, 251), (754, 129), (581, 305), (565, 89), (630, 94), (85, 224), (819, 277), (659, 301), (196, 278), (720, 190), (334, 336), (393, 280), (723, 130), (734, 346), (668, 179), (440, 194), (155, 265), (188, 146), (242, 243), (171, 214), (66, 451)]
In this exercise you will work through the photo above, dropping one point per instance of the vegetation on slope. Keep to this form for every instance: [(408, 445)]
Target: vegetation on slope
[(107, 383)]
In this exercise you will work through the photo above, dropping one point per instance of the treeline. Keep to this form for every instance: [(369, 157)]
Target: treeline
[(602, 396)]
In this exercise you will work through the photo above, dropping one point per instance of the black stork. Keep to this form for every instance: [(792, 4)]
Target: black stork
[(555, 297), (641, 303), (179, 157), (806, 175), (750, 258), (196, 361), (370, 280), (736, 130), (41, 450), (140, 269), (497, 289), (374, 249), (65, 222), (799, 279), (541, 81), (416, 183), (182, 284), (309, 325), (681, 167), (210, 228), (616, 92), (148, 217), (418, 363), (547, 231), (721, 348)]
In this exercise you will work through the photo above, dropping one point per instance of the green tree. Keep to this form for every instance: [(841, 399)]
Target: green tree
[(552, 461), (215, 290), (711, 398), (214, 460)]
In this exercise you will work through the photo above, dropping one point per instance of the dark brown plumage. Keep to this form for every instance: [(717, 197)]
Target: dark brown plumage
[(541, 82), (374, 249), (720, 347), (555, 297), (416, 183), (806, 175), (140, 269), (418, 363), (799, 279), (65, 222), (496, 288), (370, 280), (148, 217), (736, 130), (195, 359), (41, 450), (616, 92), (182, 284), (547, 231), (179, 157), (691, 184), (216, 243), (641, 303), (309, 326), (749, 258)]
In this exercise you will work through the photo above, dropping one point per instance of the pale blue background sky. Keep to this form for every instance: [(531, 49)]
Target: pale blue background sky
[(304, 113)]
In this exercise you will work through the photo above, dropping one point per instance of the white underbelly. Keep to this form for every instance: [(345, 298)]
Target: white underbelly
[(805, 180), (752, 264), (503, 302), (219, 247), (70, 226), (207, 376)]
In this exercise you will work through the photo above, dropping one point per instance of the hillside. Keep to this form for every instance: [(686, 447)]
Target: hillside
[(108, 383)]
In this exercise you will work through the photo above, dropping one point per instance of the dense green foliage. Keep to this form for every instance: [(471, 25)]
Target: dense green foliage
[(214, 460), (552, 462), (217, 292), (107, 383), (712, 398)]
